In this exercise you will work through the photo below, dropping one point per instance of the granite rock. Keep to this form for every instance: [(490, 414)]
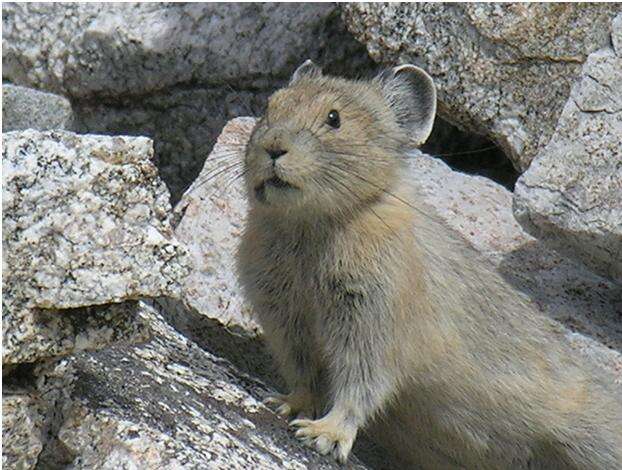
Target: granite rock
[(85, 222), (211, 217), (571, 195), (33, 399), (21, 431), (494, 64), (26, 108)]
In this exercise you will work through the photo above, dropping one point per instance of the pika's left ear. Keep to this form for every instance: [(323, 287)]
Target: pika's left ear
[(308, 69), (411, 94)]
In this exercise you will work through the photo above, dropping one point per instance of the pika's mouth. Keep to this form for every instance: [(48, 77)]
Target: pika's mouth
[(274, 182)]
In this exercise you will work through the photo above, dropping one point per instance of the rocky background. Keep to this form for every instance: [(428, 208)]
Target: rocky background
[(126, 343)]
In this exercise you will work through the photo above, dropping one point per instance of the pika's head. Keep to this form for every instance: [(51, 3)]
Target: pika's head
[(328, 144)]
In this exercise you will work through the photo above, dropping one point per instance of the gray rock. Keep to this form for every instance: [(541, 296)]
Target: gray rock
[(494, 64), (25, 108), (33, 399), (85, 222), (170, 404), (166, 70), (571, 196)]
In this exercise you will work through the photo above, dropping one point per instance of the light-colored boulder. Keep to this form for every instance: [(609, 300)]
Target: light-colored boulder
[(25, 108), (85, 222), (571, 195), (167, 70), (504, 70)]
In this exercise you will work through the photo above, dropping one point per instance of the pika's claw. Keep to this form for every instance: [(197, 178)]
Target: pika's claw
[(326, 435), (291, 404)]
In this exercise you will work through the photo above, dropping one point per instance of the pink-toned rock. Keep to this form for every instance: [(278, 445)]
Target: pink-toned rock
[(212, 218)]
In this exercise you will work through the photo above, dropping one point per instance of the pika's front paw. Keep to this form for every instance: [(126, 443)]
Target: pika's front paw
[(292, 404), (331, 434)]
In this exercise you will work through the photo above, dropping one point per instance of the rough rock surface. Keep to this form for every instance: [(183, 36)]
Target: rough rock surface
[(33, 401), (25, 108), (212, 214), (21, 431), (85, 222), (167, 70), (571, 195), (494, 64), (477, 208), (169, 403)]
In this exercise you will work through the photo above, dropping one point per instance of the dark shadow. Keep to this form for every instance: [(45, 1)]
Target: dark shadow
[(470, 153)]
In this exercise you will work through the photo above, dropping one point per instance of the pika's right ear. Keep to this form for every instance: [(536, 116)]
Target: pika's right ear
[(411, 94), (307, 70)]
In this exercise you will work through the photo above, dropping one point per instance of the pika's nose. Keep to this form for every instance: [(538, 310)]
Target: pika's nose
[(275, 153)]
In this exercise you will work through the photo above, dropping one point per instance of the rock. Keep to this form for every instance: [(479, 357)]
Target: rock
[(212, 213), (25, 108), (33, 398), (571, 195), (166, 70), (31, 334), (169, 403), (494, 64), (85, 222)]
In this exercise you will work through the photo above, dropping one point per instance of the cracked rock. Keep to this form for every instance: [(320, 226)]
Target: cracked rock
[(503, 70), (571, 196)]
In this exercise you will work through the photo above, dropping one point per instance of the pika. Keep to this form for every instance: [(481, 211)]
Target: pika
[(379, 316)]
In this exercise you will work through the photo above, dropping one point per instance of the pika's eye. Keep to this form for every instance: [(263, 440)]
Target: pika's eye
[(333, 119)]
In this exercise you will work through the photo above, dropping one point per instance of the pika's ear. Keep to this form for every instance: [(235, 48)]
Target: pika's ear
[(307, 70), (411, 94)]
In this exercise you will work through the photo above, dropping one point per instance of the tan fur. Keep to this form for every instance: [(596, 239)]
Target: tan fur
[(380, 316)]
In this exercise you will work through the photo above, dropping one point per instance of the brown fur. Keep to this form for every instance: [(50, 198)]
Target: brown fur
[(380, 316)]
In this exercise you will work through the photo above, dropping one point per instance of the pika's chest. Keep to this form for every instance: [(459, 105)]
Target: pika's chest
[(302, 269)]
